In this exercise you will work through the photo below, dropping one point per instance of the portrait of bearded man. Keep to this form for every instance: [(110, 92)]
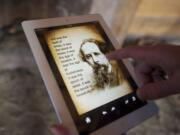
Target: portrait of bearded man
[(106, 74)]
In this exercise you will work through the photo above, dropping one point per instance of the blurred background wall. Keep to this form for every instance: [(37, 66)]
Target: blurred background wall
[(25, 108)]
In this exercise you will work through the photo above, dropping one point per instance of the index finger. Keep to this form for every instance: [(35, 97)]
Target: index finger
[(146, 54)]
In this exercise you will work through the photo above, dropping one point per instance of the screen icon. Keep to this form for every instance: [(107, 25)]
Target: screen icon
[(113, 109), (104, 113), (133, 98), (126, 101), (88, 120)]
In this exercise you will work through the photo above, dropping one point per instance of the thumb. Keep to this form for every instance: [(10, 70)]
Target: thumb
[(59, 130), (158, 90)]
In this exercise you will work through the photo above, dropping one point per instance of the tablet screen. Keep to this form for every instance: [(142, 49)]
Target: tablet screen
[(97, 91)]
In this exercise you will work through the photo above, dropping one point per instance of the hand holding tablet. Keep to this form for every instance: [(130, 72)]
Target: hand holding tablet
[(91, 94)]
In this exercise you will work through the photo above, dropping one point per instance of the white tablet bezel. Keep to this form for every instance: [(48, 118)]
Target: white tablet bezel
[(116, 127)]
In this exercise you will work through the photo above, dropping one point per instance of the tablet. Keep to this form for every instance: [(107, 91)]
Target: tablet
[(90, 94)]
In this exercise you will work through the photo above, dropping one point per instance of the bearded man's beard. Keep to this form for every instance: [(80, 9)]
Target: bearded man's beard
[(102, 76)]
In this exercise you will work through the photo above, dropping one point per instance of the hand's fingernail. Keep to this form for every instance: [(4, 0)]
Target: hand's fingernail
[(59, 130), (109, 55), (54, 130)]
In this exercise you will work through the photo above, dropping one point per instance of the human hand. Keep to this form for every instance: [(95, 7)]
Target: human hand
[(61, 130), (159, 71)]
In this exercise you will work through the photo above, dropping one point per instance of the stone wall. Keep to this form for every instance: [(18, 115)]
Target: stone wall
[(25, 105), (33, 9)]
